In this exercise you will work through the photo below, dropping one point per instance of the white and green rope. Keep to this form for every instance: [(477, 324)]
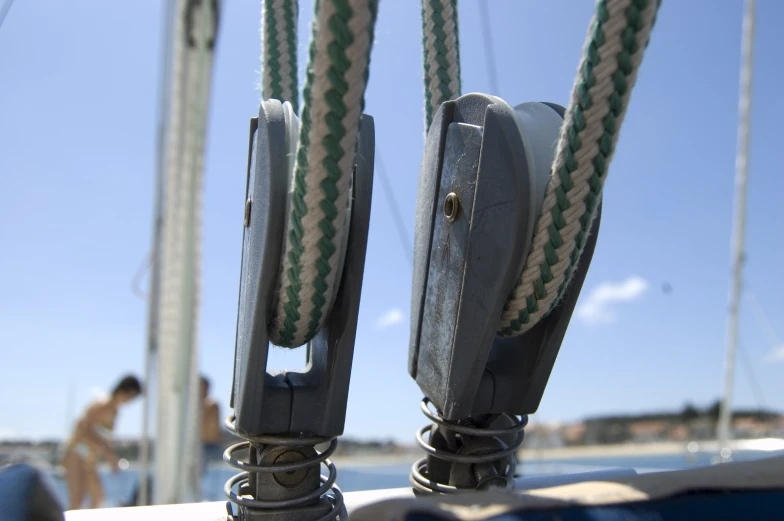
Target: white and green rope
[(441, 46), (279, 51), (611, 58), (612, 55), (332, 101)]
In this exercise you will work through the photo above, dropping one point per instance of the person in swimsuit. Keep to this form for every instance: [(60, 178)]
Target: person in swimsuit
[(91, 440), (210, 426)]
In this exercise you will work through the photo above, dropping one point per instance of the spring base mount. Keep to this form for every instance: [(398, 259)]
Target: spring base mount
[(472, 454), (281, 480)]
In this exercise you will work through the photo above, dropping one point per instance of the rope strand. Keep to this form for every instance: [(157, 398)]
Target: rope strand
[(333, 100), (614, 49), (279, 51), (441, 45)]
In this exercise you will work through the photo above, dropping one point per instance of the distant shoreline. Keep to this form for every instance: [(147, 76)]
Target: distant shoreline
[(408, 455), (661, 448), (533, 454), (624, 449)]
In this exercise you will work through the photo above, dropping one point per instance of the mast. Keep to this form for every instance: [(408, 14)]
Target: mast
[(4, 10), (739, 226), (155, 279), (178, 433)]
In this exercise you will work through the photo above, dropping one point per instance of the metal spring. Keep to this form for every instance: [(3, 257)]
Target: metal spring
[(322, 458), (419, 476)]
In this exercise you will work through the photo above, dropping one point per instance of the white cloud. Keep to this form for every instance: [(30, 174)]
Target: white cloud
[(776, 354), (596, 307), (392, 317)]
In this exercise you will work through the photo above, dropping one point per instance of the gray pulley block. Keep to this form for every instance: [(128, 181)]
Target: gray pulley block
[(483, 178), (310, 402)]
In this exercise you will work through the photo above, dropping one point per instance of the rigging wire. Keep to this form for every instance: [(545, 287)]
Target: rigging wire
[(487, 43), (141, 271), (751, 376), (397, 216), (762, 317), (402, 232), (492, 74), (4, 11)]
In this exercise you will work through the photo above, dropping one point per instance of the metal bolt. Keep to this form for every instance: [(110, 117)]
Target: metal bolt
[(292, 478), (451, 206), (487, 476), (248, 204)]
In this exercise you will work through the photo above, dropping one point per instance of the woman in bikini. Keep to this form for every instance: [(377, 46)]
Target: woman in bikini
[(91, 440)]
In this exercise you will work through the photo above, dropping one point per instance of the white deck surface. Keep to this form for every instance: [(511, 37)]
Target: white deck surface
[(216, 511), (213, 511)]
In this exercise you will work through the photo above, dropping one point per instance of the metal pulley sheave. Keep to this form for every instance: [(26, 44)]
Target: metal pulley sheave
[(484, 174)]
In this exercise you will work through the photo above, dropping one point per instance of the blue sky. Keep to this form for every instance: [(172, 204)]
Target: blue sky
[(78, 85)]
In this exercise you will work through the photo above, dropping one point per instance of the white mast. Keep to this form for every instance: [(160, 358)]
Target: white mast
[(739, 227), (178, 440), (155, 279)]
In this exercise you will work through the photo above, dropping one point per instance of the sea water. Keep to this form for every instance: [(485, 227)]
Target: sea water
[(119, 487)]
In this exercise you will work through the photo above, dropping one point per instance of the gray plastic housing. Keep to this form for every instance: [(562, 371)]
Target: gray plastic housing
[(497, 161), (311, 402)]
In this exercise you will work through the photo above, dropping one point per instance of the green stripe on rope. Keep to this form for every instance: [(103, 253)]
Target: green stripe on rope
[(279, 60), (298, 210), (441, 54), (561, 241), (273, 56), (332, 104), (290, 13)]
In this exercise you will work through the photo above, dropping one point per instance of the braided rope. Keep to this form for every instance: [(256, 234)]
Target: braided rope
[(279, 51), (619, 34), (333, 100), (441, 45)]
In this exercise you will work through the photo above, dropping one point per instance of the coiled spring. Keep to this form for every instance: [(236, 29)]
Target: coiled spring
[(282, 469), (467, 455)]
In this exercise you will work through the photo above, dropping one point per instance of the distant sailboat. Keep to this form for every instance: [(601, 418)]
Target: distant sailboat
[(739, 226)]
